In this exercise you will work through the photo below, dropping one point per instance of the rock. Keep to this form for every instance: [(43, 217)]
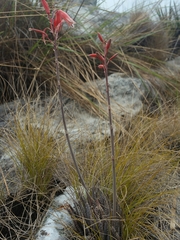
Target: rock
[(126, 94), (127, 100), (6, 109), (10, 183), (57, 220), (174, 65)]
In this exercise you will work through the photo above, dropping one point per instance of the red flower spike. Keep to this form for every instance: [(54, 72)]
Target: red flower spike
[(59, 18), (56, 21), (100, 38), (46, 6)]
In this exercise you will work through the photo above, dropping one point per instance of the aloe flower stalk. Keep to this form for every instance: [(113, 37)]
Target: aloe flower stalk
[(56, 22), (104, 65)]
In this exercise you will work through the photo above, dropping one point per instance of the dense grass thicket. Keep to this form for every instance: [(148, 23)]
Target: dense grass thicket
[(146, 152), (27, 66)]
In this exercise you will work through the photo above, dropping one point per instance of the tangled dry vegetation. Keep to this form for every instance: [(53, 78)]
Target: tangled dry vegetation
[(27, 66), (147, 167), (147, 152)]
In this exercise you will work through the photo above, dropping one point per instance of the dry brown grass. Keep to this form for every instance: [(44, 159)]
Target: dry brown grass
[(147, 166), (27, 66)]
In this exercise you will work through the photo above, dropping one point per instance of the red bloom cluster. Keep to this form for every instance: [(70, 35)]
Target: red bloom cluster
[(56, 21), (101, 57)]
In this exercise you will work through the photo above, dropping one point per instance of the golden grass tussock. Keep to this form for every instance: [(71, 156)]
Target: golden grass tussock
[(148, 40), (146, 168), (35, 149)]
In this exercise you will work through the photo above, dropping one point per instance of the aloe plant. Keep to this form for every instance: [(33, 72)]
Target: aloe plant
[(56, 22), (104, 66)]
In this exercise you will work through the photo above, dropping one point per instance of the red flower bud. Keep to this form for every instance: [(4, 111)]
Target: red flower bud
[(100, 38), (108, 44), (111, 58), (101, 66), (43, 32), (100, 57), (97, 55), (93, 55), (46, 6)]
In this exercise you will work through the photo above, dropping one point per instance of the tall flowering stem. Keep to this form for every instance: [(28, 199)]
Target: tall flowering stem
[(56, 22), (55, 47), (104, 65)]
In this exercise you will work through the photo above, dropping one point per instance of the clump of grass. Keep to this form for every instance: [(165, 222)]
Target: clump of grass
[(170, 17), (34, 149), (146, 162), (146, 181), (17, 70), (149, 40), (37, 153)]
